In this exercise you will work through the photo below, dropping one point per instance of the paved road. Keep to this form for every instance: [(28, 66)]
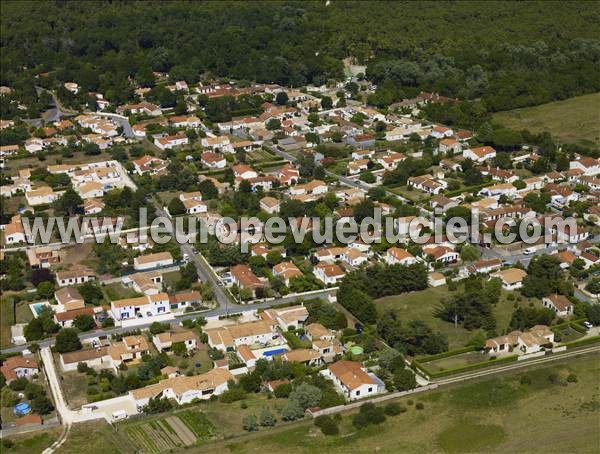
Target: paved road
[(65, 414), (230, 309)]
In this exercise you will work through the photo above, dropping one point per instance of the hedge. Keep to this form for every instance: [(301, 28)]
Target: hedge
[(584, 341), (467, 189), (484, 364), (577, 327), (426, 359)]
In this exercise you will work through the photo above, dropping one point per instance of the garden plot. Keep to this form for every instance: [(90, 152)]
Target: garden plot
[(175, 431)]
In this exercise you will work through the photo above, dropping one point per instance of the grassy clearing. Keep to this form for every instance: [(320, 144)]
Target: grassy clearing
[(421, 305), (573, 120), (492, 416), (116, 291), (33, 441), (75, 387), (7, 317), (453, 362)]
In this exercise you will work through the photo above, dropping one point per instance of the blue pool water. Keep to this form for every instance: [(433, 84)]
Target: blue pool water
[(38, 308), (22, 409), (277, 351)]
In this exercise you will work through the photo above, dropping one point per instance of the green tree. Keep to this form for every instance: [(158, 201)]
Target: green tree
[(84, 322), (68, 203), (404, 380), (469, 253), (281, 98), (176, 207), (67, 340), (42, 405), (45, 289), (326, 103)]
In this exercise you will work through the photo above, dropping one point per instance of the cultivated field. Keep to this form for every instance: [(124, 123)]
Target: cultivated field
[(167, 433), (574, 120)]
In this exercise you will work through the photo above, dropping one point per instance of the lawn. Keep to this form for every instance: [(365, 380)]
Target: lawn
[(420, 306), (74, 385), (573, 120), (491, 416), (189, 364), (456, 361), (172, 278), (24, 315), (117, 291)]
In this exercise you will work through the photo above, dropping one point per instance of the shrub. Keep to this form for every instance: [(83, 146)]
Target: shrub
[(283, 390), (292, 411), (572, 378), (232, 395), (368, 414), (525, 380), (243, 405), (267, 418), (250, 423), (419, 406), (393, 409), (327, 425)]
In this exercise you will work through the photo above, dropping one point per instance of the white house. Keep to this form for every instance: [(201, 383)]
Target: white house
[(164, 341), (396, 255), (512, 278), (228, 337), (140, 307), (213, 160), (329, 274), (185, 389), (352, 380), (559, 304), (149, 261), (168, 142), (479, 154)]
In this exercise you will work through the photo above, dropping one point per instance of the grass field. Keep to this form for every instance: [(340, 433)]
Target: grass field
[(24, 315), (454, 362), (420, 306), (574, 120), (498, 415)]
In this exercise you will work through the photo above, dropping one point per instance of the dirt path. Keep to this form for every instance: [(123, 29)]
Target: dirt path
[(186, 435)]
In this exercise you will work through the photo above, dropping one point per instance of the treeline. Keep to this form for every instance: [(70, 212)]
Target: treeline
[(506, 54), (359, 288)]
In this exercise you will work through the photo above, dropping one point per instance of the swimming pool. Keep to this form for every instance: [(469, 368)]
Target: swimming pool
[(277, 351), (37, 307)]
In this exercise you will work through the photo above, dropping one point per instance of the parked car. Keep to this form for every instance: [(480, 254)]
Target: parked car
[(588, 325), (529, 251)]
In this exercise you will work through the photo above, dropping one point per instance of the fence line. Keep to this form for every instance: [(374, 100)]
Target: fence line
[(374, 400)]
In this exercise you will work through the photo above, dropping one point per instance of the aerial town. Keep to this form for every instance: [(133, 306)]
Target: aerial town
[(152, 344)]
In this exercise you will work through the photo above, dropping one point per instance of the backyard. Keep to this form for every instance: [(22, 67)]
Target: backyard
[(572, 120), (7, 316)]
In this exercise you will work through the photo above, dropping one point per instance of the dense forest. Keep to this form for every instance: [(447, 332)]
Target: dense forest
[(509, 54)]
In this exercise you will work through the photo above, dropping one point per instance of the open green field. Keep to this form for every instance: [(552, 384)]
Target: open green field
[(456, 361), (420, 306), (574, 120), (491, 416)]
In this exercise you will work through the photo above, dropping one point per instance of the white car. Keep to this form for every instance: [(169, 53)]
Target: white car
[(529, 251), (588, 325)]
